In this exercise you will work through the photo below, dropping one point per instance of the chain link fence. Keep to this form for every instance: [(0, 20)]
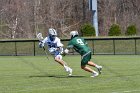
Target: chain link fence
[(99, 46)]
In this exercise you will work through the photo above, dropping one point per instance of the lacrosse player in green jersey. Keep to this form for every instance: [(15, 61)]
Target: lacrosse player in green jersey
[(80, 46)]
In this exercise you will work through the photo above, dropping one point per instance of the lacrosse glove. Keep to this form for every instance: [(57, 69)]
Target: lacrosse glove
[(41, 44)]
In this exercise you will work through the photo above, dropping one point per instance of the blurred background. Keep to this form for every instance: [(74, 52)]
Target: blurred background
[(26, 18)]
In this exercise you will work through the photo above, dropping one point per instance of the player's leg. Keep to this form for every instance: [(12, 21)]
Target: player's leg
[(58, 58), (84, 62), (99, 68), (94, 73), (90, 63)]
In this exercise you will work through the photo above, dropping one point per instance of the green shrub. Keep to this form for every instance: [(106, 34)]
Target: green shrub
[(87, 30), (114, 30), (131, 30)]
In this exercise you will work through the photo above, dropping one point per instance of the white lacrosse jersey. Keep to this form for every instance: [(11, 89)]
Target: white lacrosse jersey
[(52, 45), (55, 43)]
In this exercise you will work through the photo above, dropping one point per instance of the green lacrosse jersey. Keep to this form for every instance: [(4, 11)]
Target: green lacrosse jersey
[(79, 44)]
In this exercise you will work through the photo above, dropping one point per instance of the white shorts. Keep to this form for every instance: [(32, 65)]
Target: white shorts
[(59, 57)]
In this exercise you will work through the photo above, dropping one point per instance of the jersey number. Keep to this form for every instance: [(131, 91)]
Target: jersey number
[(80, 42)]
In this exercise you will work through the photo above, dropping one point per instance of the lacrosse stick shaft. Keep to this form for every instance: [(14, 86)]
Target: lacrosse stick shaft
[(46, 53), (40, 38)]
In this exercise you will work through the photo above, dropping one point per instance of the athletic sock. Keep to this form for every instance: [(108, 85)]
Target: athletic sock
[(94, 72), (97, 66), (66, 68)]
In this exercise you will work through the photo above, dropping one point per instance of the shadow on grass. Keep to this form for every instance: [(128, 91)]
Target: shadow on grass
[(57, 76)]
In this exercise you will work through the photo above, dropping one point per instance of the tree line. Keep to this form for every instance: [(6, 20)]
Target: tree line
[(26, 18)]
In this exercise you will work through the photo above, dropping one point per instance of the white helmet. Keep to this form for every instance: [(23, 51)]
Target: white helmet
[(74, 33), (52, 32)]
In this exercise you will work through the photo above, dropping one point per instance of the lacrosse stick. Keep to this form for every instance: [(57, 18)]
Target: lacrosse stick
[(40, 38)]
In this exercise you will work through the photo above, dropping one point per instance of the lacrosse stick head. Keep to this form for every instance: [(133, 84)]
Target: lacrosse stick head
[(39, 36)]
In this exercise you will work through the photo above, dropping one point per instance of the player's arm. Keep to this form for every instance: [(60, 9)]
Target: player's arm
[(69, 46), (66, 51), (59, 45), (42, 43)]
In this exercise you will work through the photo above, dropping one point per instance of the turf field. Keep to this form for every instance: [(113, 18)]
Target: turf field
[(35, 74)]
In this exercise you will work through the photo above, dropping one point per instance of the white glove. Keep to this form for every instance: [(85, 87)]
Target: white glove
[(51, 50), (66, 51), (41, 44), (61, 50)]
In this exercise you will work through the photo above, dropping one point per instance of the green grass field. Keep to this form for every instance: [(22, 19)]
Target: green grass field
[(35, 74)]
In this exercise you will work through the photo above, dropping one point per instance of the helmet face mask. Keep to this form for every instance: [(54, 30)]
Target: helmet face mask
[(52, 34)]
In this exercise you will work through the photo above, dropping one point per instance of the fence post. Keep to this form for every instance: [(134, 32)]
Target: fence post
[(93, 46), (34, 48), (114, 46), (135, 46), (15, 48)]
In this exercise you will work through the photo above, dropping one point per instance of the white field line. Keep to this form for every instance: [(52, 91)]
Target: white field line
[(127, 91), (29, 89)]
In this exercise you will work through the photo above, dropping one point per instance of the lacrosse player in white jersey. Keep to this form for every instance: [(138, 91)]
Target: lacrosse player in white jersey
[(55, 47)]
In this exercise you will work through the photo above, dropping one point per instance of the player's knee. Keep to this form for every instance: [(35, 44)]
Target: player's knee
[(82, 67), (55, 59), (59, 57)]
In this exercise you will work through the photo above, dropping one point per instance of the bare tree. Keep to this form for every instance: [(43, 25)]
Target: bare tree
[(122, 12), (25, 18)]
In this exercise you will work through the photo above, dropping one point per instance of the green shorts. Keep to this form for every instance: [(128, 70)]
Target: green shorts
[(85, 58)]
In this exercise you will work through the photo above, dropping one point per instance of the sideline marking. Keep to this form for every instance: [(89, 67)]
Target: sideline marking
[(127, 91)]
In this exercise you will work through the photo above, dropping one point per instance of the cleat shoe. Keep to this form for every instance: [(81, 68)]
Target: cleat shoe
[(99, 69), (66, 68), (94, 74), (70, 71)]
